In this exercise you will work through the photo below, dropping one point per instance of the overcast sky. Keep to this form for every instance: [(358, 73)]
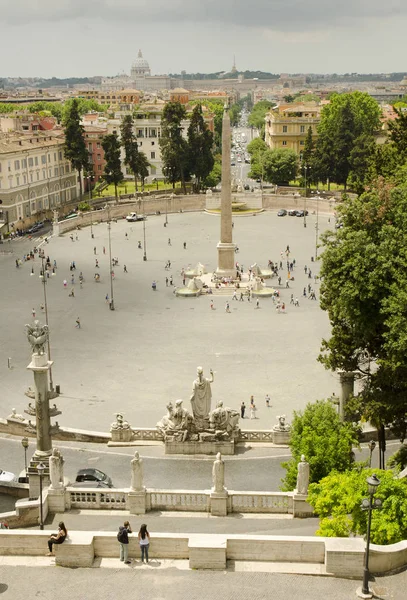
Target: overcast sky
[(65, 38)]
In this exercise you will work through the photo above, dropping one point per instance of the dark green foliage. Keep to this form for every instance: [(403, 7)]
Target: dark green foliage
[(200, 142), (129, 143), (325, 441), (75, 146), (174, 148), (337, 501), (113, 172)]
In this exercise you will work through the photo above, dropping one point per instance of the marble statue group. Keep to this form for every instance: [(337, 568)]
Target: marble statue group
[(202, 424)]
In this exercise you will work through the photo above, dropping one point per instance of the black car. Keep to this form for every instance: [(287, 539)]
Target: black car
[(300, 213), (90, 484), (292, 213), (85, 475), (282, 212)]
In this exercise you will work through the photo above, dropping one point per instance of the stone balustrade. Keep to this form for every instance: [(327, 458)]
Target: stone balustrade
[(340, 557)]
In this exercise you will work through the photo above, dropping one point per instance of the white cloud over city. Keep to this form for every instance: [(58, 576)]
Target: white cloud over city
[(76, 37)]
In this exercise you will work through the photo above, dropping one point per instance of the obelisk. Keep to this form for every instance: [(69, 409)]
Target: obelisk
[(226, 247)]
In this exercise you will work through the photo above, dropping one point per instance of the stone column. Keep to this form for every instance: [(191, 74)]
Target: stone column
[(40, 366), (347, 381), (226, 247)]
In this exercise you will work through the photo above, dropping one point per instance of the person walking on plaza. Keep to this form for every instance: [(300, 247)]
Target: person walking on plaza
[(292, 299), (125, 269), (234, 297), (241, 299), (212, 305), (185, 245), (73, 279), (107, 298), (123, 539), (267, 401), (166, 281), (33, 313), (72, 294), (126, 235), (65, 283), (144, 542), (169, 241), (104, 250), (257, 303), (94, 249), (78, 323), (253, 411), (96, 264), (227, 307), (171, 280), (242, 410), (296, 303)]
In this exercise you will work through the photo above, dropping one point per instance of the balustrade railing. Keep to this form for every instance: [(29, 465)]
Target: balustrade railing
[(179, 501)]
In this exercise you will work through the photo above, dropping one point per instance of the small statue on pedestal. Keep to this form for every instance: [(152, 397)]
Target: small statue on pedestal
[(218, 475), (136, 484), (302, 477), (56, 470)]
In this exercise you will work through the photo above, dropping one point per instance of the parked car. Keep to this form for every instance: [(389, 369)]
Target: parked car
[(90, 474), (282, 212), (7, 476), (90, 484), (292, 213), (135, 217), (300, 213)]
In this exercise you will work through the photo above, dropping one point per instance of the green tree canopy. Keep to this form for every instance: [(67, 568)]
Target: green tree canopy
[(113, 172), (398, 133), (258, 114), (75, 149), (279, 165), (130, 146), (200, 142), (174, 148), (337, 501), (326, 442)]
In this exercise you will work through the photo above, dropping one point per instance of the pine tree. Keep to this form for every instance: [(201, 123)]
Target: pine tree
[(200, 142), (75, 146), (143, 165), (129, 143), (113, 172), (174, 147)]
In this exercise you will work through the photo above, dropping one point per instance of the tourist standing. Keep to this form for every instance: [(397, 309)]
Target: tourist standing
[(253, 411), (242, 410), (144, 541), (227, 307), (57, 538), (78, 323), (123, 539), (267, 401)]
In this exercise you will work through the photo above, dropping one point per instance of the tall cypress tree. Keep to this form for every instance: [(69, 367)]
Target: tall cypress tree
[(174, 147), (129, 143), (75, 149), (113, 172), (200, 142)]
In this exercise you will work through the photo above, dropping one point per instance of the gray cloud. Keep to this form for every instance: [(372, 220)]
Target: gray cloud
[(278, 15)]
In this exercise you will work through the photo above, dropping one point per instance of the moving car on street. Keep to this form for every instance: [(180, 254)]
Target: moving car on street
[(135, 217)]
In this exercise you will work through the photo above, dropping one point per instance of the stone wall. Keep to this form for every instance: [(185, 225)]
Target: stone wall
[(339, 557)]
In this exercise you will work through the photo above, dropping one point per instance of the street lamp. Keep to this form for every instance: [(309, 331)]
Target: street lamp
[(144, 235), (371, 445), (44, 282), (369, 504), (166, 212), (24, 443), (89, 179), (41, 469), (111, 305), (317, 229), (306, 167)]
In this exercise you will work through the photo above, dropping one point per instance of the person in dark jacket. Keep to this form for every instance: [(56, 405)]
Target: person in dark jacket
[(123, 537)]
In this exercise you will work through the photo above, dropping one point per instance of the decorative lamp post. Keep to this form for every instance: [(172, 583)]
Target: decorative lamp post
[(369, 504), (90, 179), (317, 229), (111, 305), (41, 469), (24, 443), (371, 445), (144, 236), (44, 283)]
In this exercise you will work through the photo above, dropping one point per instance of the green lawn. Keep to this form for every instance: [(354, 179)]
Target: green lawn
[(127, 187)]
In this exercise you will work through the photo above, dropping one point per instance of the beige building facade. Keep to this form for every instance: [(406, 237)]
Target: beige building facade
[(35, 178), (287, 126)]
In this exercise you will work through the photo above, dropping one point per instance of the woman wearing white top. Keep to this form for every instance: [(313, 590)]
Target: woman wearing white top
[(144, 541)]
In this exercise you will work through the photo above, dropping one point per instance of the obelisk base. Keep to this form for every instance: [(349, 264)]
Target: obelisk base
[(226, 260)]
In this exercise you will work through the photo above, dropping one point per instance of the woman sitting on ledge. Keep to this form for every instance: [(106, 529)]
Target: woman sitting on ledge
[(57, 538)]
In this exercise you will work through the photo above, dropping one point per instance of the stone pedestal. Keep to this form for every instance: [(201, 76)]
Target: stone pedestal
[(219, 504), (188, 447), (301, 508), (55, 229), (226, 260), (121, 435), (136, 502), (56, 500), (207, 552), (281, 437)]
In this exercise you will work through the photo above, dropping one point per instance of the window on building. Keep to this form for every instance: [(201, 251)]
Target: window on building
[(62, 170), (152, 143), (49, 172), (284, 143), (302, 129), (18, 180), (17, 165), (302, 143), (38, 175), (56, 172), (90, 146), (23, 163), (43, 159), (55, 157), (31, 177), (49, 157), (140, 133), (24, 178), (39, 204), (98, 145), (9, 165), (99, 157), (44, 174), (284, 128), (153, 155), (60, 155), (99, 167), (30, 162), (0, 167), (36, 161)]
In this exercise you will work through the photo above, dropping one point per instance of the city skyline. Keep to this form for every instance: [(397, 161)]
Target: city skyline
[(70, 38)]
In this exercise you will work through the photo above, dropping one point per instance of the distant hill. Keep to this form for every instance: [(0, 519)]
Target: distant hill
[(223, 75)]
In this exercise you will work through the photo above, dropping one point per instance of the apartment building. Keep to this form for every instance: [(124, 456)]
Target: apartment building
[(35, 177), (287, 126)]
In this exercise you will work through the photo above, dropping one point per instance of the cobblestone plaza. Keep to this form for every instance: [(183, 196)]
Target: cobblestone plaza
[(145, 353)]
